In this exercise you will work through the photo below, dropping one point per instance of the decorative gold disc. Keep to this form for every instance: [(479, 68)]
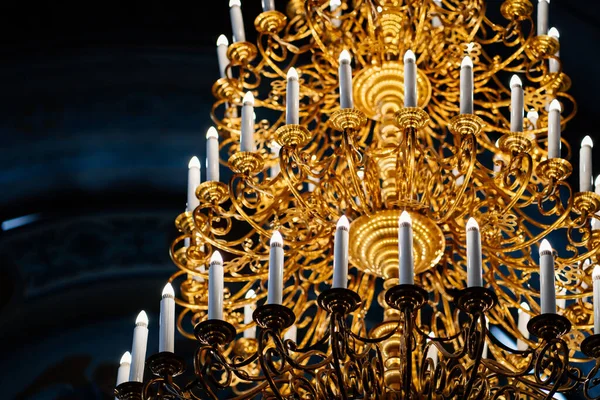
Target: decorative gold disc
[(466, 124), (270, 22), (374, 243), (292, 135), (554, 168), (246, 162)]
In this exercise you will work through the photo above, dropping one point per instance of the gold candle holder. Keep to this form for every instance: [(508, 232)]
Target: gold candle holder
[(292, 135), (411, 117), (542, 46), (185, 222), (586, 203), (557, 169), (270, 22), (241, 53), (226, 88), (246, 162), (348, 118), (466, 124), (212, 192), (516, 142), (516, 10)]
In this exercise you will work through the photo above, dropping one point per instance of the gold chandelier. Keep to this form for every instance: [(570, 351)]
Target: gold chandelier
[(421, 122)]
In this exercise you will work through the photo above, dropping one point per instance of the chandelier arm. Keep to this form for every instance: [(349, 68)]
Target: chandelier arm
[(474, 342), (350, 150), (591, 383), (338, 343)]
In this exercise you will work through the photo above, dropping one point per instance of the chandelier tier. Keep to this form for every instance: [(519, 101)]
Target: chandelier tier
[(369, 146)]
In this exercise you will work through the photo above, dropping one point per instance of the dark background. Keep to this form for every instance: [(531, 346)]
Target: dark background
[(101, 106)]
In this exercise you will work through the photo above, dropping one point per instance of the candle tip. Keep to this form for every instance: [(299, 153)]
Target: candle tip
[(168, 290), (276, 239), (533, 115), (555, 106), (212, 133), (222, 41), (343, 223), (545, 246), (547, 1), (250, 294), (525, 306), (142, 318), (126, 358), (472, 224), (586, 263), (405, 218), (334, 4), (587, 141), (409, 56), (233, 3), (216, 258), (248, 99), (194, 162), (345, 56), (515, 81), (597, 181), (596, 272), (292, 74), (466, 62), (553, 32)]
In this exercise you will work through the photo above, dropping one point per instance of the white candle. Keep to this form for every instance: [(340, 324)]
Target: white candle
[(292, 98), (561, 302), (237, 21), (460, 179), (432, 351), (275, 284), (166, 339), (474, 269), (596, 287), (215, 286), (335, 6), (516, 104), (553, 64), (124, 368), (200, 269), (345, 80), (405, 250), (584, 266), (410, 79), (547, 282), (533, 117), (466, 86), (138, 348), (291, 334), (523, 320), (275, 169), (268, 5), (340, 253), (554, 129), (249, 333), (247, 135), (436, 21), (222, 45), (193, 182), (597, 185), (542, 17), (212, 155), (585, 165), (484, 352)]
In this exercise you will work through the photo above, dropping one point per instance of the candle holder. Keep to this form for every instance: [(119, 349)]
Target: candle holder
[(129, 391), (270, 22), (587, 203), (339, 301), (516, 10), (166, 364), (542, 46), (591, 346), (185, 222), (214, 332), (246, 162), (549, 326), (466, 124), (476, 299), (241, 53), (406, 297), (557, 169), (212, 192), (411, 117), (516, 142), (292, 135), (226, 88), (274, 316), (348, 118), (556, 82)]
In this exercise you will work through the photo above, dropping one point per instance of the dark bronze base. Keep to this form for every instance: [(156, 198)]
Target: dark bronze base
[(214, 331), (274, 316), (591, 346), (166, 364), (549, 326), (339, 301), (406, 297), (129, 391), (476, 299)]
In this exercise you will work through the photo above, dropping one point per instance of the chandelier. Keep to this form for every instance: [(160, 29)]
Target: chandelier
[(388, 220)]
